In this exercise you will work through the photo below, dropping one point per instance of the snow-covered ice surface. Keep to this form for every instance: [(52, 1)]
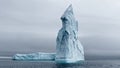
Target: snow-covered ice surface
[(68, 47), (35, 56)]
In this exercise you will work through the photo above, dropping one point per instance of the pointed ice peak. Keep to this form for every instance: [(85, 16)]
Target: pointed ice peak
[(68, 11)]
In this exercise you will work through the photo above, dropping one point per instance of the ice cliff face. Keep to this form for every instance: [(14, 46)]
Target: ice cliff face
[(68, 48)]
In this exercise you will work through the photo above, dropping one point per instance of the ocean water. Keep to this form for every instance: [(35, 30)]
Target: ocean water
[(51, 64)]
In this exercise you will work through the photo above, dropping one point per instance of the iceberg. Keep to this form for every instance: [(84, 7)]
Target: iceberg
[(68, 47)]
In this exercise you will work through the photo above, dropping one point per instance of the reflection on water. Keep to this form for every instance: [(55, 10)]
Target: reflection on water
[(71, 65), (38, 64)]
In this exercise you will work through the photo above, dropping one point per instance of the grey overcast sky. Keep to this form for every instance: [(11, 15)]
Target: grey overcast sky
[(32, 25)]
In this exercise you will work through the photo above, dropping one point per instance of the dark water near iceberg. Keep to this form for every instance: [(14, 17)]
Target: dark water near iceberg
[(52, 64)]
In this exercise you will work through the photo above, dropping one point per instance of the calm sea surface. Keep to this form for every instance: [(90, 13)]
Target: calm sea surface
[(52, 64)]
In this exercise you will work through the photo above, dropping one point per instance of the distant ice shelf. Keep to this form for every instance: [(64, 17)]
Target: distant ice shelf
[(5, 57)]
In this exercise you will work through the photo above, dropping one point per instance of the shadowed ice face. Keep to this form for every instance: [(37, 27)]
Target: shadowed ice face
[(65, 22)]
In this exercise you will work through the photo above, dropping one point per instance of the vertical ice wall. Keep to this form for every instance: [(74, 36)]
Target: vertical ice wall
[(69, 48)]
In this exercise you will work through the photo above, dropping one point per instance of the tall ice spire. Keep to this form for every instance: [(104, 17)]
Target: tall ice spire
[(68, 48)]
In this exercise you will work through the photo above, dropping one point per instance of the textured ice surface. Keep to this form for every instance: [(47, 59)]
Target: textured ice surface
[(35, 56), (69, 48)]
